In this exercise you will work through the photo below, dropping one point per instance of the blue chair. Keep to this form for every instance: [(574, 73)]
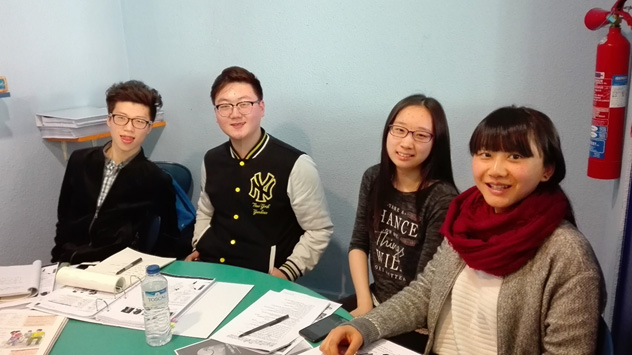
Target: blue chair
[(604, 340), (183, 183), (180, 173)]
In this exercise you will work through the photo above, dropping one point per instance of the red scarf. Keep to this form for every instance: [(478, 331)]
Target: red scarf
[(502, 243)]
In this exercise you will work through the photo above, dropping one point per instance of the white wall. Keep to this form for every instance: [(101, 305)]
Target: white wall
[(55, 54), (330, 70)]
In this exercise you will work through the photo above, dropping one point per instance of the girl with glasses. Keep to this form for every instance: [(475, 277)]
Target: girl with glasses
[(403, 202), (514, 275)]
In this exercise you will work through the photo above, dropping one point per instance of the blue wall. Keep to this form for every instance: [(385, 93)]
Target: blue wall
[(331, 71)]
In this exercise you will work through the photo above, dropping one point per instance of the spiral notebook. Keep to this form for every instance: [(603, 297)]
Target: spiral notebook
[(19, 281), (124, 309)]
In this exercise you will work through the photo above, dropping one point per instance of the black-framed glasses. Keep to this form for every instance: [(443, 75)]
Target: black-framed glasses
[(244, 107), (122, 120), (402, 132)]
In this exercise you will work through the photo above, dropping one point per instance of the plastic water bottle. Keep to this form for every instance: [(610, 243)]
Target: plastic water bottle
[(156, 303)]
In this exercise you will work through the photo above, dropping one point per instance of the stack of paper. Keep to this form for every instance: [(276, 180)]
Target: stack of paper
[(87, 292), (30, 283), (381, 346), (109, 293), (72, 123), (19, 281), (129, 264), (76, 122), (123, 309), (301, 310)]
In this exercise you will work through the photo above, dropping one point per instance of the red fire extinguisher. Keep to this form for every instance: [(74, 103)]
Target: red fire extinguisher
[(610, 93)]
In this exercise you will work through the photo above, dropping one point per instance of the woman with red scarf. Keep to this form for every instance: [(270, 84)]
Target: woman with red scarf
[(513, 275)]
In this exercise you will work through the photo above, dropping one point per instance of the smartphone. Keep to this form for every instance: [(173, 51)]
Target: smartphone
[(317, 331)]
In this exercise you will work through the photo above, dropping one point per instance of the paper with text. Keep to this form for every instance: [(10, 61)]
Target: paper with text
[(301, 311), (123, 309), (19, 281), (331, 307), (222, 298), (377, 348), (28, 332), (129, 311), (116, 262)]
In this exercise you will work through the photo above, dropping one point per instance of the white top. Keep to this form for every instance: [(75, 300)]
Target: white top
[(467, 324)]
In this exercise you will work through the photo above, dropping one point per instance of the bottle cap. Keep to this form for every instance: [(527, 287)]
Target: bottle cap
[(153, 269)]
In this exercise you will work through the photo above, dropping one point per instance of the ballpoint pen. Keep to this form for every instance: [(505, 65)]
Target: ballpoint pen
[(265, 325), (131, 265)]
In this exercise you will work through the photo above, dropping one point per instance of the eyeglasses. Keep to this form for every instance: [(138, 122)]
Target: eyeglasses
[(244, 107), (402, 132), (122, 120)]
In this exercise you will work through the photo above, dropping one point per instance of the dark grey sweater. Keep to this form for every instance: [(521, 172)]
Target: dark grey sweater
[(407, 237)]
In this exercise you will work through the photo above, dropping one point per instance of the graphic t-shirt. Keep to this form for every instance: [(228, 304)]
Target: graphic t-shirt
[(407, 236)]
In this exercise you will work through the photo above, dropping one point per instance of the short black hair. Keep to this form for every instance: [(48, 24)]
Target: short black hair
[(236, 75), (134, 91), (514, 129)]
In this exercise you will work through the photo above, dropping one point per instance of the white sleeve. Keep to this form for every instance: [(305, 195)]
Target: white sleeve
[(204, 211), (307, 197)]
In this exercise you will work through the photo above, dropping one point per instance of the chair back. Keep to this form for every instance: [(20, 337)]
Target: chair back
[(180, 173), (152, 236), (604, 341)]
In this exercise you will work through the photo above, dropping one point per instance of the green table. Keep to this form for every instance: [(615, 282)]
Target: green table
[(89, 338)]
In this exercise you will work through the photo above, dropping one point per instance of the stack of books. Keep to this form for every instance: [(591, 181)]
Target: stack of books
[(73, 123)]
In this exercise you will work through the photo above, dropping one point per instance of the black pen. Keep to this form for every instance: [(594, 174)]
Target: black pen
[(131, 265), (265, 325)]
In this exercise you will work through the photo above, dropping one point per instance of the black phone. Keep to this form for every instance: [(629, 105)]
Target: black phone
[(318, 330)]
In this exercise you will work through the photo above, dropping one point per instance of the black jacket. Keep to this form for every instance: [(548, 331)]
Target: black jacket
[(140, 193)]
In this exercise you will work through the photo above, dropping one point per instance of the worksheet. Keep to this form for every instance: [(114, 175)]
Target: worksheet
[(379, 347), (19, 281), (296, 310)]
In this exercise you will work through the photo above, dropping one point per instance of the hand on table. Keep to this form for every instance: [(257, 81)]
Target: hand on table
[(343, 336), (277, 273), (193, 256)]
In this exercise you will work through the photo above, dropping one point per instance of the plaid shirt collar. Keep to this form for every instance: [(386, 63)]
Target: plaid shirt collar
[(109, 163), (110, 171)]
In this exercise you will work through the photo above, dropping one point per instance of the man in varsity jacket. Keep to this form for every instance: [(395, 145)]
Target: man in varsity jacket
[(262, 205)]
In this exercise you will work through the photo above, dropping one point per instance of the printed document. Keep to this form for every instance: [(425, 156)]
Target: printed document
[(124, 309), (379, 347), (302, 311), (19, 281), (28, 332), (125, 257)]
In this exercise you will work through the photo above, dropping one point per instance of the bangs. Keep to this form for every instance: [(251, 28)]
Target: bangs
[(502, 132)]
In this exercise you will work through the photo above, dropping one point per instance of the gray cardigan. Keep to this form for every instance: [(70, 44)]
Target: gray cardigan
[(551, 305)]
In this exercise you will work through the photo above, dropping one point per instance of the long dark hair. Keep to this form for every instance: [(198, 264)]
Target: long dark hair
[(513, 129), (436, 167)]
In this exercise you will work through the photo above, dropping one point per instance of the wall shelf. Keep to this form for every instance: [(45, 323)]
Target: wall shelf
[(93, 138)]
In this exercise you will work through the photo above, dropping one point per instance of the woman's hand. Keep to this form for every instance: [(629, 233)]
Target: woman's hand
[(340, 337), (193, 256)]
